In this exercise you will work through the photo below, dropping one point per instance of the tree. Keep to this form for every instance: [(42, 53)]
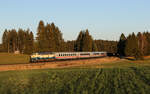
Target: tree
[(142, 43), (59, 41), (87, 42), (94, 46), (42, 37), (79, 41), (28, 46), (131, 48), (147, 44), (121, 45), (105, 45), (13, 40), (70, 46), (21, 40), (31, 42), (5, 40), (50, 36)]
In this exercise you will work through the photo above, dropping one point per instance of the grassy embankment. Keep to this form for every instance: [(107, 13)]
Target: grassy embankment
[(9, 58)]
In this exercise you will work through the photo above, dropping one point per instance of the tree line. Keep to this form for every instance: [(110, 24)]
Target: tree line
[(49, 39), (21, 40), (134, 45)]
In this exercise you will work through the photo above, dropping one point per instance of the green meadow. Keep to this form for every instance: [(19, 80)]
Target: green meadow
[(128, 80)]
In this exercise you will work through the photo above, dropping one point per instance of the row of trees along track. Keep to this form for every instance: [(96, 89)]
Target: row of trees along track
[(49, 38)]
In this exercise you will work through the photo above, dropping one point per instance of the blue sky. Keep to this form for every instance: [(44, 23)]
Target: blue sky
[(105, 19)]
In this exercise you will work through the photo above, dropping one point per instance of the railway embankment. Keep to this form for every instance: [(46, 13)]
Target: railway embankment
[(59, 64)]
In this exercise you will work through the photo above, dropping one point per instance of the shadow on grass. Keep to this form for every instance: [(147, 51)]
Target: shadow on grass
[(131, 59)]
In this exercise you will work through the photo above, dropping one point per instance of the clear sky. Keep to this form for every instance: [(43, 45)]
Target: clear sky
[(105, 19)]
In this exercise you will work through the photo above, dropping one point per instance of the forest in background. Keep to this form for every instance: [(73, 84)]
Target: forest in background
[(49, 39)]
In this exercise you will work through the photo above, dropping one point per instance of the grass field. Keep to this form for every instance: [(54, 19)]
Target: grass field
[(131, 80), (9, 58)]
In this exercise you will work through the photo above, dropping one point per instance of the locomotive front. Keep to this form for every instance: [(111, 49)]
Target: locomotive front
[(42, 56)]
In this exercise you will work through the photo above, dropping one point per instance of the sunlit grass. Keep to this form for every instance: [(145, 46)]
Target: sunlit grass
[(10, 58)]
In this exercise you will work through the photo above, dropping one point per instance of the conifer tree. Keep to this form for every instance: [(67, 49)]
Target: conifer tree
[(142, 43), (147, 45), (50, 36), (58, 40), (79, 41), (13, 40), (41, 37), (94, 46), (5, 40), (121, 45), (132, 48), (21, 40), (87, 42)]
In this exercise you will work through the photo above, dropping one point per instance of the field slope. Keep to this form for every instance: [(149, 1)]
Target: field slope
[(129, 80), (9, 58)]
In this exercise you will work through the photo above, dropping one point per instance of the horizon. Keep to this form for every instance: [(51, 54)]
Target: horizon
[(105, 20)]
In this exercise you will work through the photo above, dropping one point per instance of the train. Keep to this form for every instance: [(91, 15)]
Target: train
[(50, 56)]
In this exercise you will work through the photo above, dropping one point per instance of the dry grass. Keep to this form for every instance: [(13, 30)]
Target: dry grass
[(10, 58)]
